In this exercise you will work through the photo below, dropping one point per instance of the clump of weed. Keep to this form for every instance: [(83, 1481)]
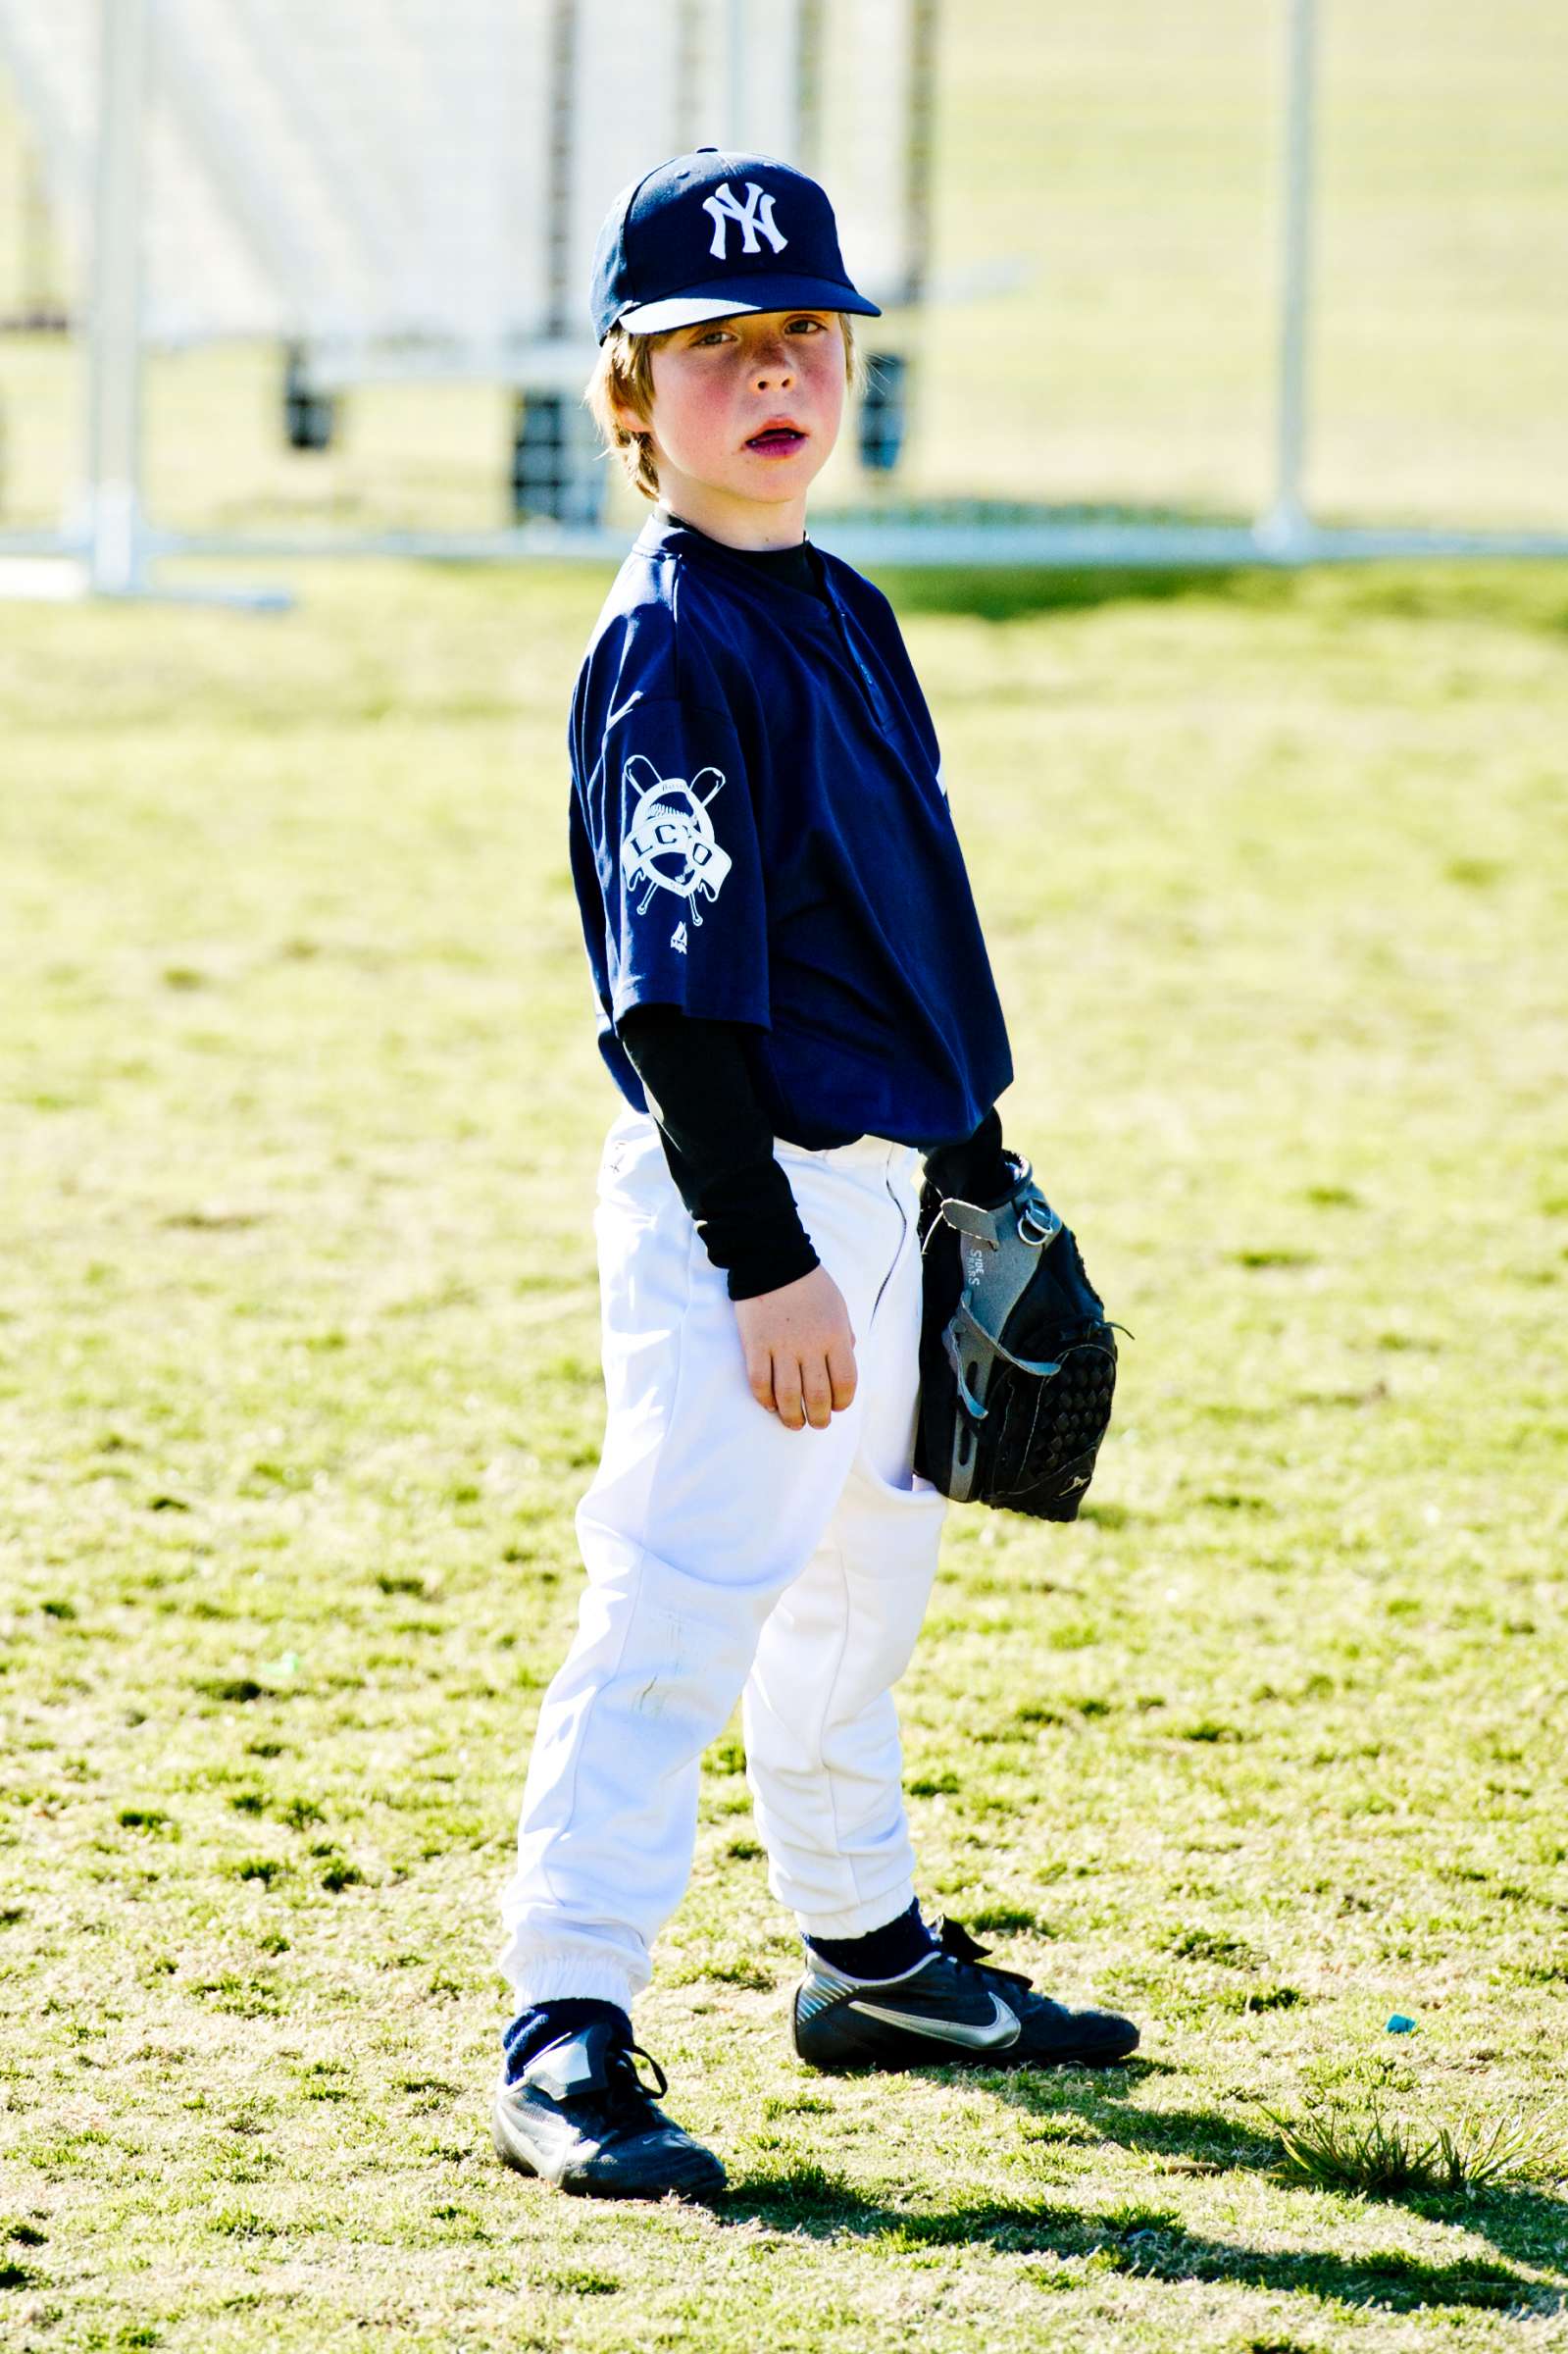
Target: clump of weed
[(265, 1868), (1211, 1945), (1132, 2217), (1002, 1920), (581, 2281), (803, 2192), (1245, 2000), (1339, 2148), (752, 1975)]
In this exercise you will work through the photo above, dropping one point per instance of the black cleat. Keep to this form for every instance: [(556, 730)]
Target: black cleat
[(581, 2117), (952, 2009)]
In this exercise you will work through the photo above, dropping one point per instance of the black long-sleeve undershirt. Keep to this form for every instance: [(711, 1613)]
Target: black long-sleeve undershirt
[(718, 1143)]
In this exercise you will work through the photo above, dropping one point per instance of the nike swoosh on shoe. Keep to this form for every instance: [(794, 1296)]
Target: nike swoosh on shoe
[(985, 2035)]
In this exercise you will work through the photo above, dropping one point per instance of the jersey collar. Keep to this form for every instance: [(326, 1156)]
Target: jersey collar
[(665, 535)]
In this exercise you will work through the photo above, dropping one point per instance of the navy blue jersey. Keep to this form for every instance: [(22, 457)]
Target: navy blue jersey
[(760, 834)]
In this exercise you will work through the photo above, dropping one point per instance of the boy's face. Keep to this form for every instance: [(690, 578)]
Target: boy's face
[(716, 387)]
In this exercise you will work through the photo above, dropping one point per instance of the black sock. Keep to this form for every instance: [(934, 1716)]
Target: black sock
[(885, 1953), (547, 2023)]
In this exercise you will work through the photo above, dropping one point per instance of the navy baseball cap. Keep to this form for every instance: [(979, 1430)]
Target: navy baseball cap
[(709, 233)]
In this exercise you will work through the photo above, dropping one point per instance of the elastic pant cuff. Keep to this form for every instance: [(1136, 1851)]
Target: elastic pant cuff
[(548, 1981), (859, 1919)]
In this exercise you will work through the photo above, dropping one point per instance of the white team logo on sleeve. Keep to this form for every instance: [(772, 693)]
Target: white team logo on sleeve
[(668, 843)]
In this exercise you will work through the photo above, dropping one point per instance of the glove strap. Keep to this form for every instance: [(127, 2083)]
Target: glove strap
[(997, 1274), (987, 1345), (1026, 1213)]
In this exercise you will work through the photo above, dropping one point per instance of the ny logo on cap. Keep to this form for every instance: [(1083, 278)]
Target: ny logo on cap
[(756, 213)]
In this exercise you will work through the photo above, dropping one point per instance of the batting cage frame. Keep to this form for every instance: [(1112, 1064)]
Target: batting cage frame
[(117, 126)]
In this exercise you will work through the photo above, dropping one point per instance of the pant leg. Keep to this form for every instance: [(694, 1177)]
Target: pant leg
[(703, 1511), (824, 1757)]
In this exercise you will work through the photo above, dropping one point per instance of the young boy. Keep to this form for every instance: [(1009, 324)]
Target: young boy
[(796, 1006)]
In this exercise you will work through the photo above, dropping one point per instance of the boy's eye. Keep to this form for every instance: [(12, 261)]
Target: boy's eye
[(719, 334)]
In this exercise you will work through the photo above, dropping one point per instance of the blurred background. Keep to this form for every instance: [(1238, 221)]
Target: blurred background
[(1184, 265)]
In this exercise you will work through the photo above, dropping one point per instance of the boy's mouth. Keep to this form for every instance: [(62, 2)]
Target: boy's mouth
[(775, 438)]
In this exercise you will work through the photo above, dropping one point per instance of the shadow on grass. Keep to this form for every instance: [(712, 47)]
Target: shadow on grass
[(1012, 591), (1146, 2241), (1213, 2142), (1527, 593), (1530, 2226), (1404, 588)]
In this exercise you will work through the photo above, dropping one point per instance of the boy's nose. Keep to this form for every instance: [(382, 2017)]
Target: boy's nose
[(772, 364)]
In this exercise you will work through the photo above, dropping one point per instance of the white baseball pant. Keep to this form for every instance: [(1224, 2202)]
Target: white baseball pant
[(729, 1557)]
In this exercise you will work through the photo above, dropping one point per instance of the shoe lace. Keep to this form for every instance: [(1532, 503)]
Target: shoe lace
[(625, 2101), (968, 1955)]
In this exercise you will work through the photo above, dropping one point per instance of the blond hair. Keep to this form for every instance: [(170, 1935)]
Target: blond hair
[(624, 372)]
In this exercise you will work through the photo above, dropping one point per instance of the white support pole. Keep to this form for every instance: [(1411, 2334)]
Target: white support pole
[(113, 344), (1285, 525)]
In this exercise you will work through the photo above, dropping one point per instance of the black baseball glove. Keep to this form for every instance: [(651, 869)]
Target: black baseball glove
[(1017, 1361)]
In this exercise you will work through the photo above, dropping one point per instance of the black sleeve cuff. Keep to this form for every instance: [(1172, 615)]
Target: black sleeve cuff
[(751, 1228), (977, 1169), (719, 1145)]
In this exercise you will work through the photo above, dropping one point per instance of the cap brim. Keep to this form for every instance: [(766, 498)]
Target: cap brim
[(753, 294)]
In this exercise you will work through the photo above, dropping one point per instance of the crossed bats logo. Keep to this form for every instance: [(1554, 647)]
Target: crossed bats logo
[(669, 842)]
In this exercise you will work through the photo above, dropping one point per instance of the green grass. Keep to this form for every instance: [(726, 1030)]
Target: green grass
[(298, 1388), (1360, 2148)]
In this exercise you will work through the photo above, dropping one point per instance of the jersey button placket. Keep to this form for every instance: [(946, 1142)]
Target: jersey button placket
[(878, 709)]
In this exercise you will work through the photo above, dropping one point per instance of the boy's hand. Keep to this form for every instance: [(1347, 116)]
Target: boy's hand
[(799, 1349)]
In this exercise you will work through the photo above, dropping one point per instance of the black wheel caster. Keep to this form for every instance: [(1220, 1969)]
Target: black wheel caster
[(883, 411), (310, 418)]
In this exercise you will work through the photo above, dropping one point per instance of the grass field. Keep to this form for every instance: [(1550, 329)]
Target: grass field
[(298, 1387)]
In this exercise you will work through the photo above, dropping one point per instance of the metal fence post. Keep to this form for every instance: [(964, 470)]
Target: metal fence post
[(1285, 528), (114, 338)]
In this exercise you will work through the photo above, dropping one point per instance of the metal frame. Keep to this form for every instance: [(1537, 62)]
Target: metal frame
[(865, 537), (1286, 523), (114, 330), (114, 543)]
